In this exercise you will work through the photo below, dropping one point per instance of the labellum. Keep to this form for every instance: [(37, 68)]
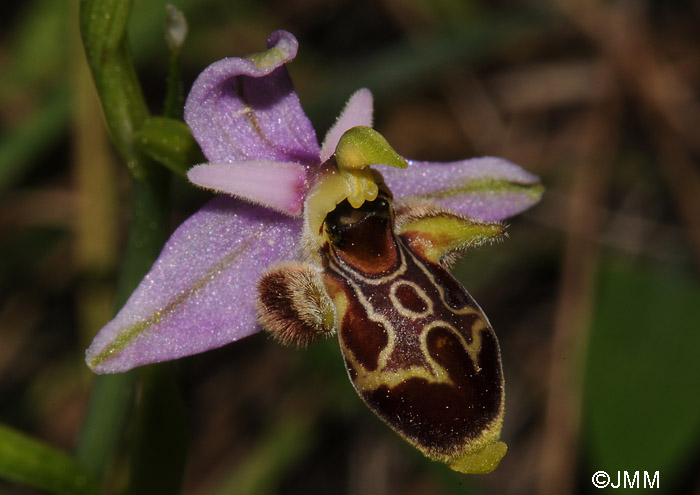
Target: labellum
[(418, 349)]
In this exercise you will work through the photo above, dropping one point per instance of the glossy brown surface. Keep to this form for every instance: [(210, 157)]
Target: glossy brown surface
[(418, 349)]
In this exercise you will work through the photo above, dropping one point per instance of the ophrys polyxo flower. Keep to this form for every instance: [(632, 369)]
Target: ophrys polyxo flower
[(313, 240)]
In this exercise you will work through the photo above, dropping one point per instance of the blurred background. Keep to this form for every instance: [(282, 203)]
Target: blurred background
[(595, 296)]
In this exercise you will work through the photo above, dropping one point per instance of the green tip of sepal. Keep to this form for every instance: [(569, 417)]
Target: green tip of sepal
[(268, 58), (362, 146), (481, 462)]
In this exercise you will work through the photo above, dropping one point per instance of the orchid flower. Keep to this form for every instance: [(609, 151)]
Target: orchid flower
[(306, 241)]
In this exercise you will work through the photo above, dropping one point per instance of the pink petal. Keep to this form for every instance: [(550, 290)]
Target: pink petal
[(200, 293), (487, 188), (280, 186), (243, 109), (358, 111)]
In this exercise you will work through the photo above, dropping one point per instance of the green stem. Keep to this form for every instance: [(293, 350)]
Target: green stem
[(104, 424), (103, 30), (175, 34), (147, 234), (158, 448), (112, 395)]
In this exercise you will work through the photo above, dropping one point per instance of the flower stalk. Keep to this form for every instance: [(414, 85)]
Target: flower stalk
[(103, 30)]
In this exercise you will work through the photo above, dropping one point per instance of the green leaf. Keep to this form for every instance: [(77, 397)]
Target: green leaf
[(37, 61), (111, 400), (29, 137), (642, 409), (284, 442), (31, 462), (170, 142), (159, 447)]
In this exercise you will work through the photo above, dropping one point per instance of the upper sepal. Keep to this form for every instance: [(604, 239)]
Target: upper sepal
[(242, 109), (200, 293), (358, 111), (487, 189)]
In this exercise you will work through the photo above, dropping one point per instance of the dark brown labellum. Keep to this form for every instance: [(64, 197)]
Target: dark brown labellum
[(418, 349)]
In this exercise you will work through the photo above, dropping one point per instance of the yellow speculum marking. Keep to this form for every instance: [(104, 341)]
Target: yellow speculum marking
[(403, 311), (472, 349), (368, 380)]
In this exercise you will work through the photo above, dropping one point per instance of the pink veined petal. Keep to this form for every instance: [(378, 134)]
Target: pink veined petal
[(487, 188), (242, 109), (280, 186), (358, 111), (200, 293)]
